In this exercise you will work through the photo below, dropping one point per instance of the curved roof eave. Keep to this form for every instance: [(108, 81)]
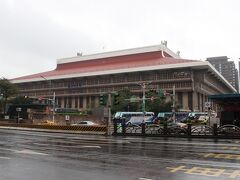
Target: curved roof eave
[(211, 68), (194, 65)]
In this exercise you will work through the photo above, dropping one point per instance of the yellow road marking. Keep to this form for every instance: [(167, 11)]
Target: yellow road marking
[(223, 156), (201, 171), (234, 174), (205, 171), (177, 168), (231, 148)]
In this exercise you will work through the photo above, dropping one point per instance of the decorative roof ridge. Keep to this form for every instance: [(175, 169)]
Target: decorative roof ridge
[(119, 53)]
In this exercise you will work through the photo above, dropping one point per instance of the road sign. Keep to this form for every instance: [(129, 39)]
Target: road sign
[(207, 104), (18, 109), (67, 117), (134, 99)]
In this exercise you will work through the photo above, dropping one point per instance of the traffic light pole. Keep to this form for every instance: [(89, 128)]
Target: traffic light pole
[(52, 100), (143, 85), (174, 105), (109, 123)]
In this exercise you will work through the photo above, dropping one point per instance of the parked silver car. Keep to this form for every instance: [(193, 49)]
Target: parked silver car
[(85, 123)]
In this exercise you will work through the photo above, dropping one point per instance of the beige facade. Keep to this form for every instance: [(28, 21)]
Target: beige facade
[(192, 87), (78, 81)]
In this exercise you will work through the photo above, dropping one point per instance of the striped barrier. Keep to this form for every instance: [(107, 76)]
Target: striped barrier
[(60, 127)]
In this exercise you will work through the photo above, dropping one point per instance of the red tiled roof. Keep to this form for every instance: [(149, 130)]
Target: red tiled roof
[(110, 63)]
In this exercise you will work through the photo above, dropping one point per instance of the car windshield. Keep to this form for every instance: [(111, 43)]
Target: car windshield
[(83, 122)]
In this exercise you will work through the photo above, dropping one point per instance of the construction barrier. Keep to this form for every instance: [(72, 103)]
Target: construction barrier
[(60, 127)]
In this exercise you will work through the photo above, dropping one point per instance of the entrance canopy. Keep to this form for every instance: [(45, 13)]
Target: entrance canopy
[(228, 102)]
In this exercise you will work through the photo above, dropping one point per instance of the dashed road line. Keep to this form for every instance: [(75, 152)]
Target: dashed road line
[(90, 147), (144, 178), (27, 151), (24, 151), (4, 157)]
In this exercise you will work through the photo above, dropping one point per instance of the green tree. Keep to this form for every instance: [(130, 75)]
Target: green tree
[(7, 90), (124, 102), (156, 104), (21, 100)]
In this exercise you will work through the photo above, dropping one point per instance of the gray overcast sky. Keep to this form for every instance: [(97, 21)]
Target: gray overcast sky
[(34, 33)]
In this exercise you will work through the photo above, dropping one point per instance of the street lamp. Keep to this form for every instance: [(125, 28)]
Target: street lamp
[(49, 99), (174, 104), (1, 98), (143, 85)]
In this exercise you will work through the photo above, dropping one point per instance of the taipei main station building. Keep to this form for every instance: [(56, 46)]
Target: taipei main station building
[(77, 82)]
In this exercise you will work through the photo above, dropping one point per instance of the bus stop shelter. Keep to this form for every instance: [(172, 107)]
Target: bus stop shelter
[(228, 108)]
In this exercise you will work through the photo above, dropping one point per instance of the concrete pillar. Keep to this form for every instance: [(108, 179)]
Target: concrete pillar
[(201, 102), (195, 101), (185, 100), (62, 102), (84, 102), (96, 102), (73, 101), (78, 101), (67, 105), (90, 101)]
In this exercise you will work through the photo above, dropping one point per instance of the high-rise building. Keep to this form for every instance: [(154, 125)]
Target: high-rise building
[(226, 69)]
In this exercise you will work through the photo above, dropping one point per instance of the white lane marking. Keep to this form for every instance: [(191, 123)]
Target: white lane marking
[(91, 147), (24, 151), (4, 157), (27, 151), (144, 179)]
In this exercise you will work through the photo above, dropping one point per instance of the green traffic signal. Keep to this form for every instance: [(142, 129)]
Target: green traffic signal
[(116, 99), (102, 99), (160, 93)]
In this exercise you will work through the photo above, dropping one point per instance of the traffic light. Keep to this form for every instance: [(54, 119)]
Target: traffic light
[(116, 99), (160, 93), (102, 99), (150, 93), (170, 93)]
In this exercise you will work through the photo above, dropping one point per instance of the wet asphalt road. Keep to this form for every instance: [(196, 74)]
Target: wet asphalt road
[(30, 155)]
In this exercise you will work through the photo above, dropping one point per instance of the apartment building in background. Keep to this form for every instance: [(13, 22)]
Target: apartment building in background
[(226, 69)]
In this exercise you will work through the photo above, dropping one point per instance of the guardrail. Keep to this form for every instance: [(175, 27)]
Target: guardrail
[(60, 127), (226, 131)]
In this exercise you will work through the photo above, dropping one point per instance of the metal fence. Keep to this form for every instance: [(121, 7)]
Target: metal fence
[(226, 131)]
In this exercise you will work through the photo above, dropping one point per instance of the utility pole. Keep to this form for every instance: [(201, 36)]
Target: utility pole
[(109, 114), (51, 99), (54, 103), (174, 105), (143, 85)]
